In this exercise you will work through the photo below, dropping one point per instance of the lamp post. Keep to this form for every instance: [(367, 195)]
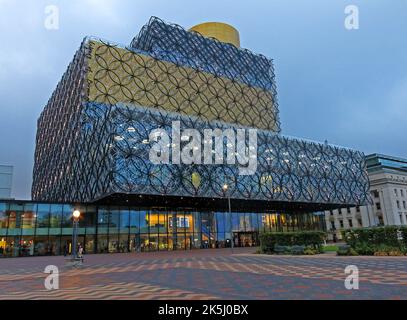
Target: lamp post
[(75, 215), (225, 189)]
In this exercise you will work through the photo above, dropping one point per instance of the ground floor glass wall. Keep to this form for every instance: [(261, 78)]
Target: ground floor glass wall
[(46, 229)]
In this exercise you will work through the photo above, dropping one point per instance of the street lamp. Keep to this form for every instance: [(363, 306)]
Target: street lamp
[(76, 214), (225, 189)]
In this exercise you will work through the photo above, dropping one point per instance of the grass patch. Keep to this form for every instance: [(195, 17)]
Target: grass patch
[(330, 248)]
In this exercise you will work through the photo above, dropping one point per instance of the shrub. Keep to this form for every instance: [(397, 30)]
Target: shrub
[(384, 250), (377, 241), (364, 248), (282, 249), (380, 253), (272, 242), (343, 250), (310, 251), (297, 249), (396, 252), (346, 250), (403, 234)]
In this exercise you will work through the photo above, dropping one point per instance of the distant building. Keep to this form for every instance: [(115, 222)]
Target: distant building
[(388, 191), (6, 177)]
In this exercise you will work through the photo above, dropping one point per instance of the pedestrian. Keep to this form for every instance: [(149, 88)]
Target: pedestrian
[(80, 252)]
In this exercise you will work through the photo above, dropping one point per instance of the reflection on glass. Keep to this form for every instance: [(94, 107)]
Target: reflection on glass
[(89, 221), (56, 217), (46, 229), (144, 221), (43, 217), (134, 221), (220, 222), (3, 218), (66, 222), (103, 221), (28, 218)]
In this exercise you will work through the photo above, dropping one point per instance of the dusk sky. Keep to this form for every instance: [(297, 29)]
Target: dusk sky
[(345, 86)]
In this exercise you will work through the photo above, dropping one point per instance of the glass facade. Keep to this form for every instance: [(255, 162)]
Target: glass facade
[(28, 229)]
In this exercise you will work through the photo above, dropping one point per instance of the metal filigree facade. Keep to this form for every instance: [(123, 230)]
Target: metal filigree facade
[(91, 139), (120, 75), (171, 42)]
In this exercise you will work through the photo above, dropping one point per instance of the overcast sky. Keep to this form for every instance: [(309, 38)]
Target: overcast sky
[(346, 86)]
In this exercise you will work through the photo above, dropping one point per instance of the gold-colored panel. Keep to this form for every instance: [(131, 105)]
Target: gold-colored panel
[(220, 31), (119, 75)]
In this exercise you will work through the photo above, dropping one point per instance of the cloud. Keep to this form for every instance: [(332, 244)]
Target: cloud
[(107, 10), (397, 102)]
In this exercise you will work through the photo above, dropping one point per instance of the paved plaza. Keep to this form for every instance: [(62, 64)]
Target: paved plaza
[(205, 274)]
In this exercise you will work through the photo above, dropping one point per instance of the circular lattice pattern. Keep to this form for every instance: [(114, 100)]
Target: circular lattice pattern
[(119, 75), (287, 169)]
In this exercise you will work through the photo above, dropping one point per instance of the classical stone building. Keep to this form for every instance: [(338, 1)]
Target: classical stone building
[(388, 191)]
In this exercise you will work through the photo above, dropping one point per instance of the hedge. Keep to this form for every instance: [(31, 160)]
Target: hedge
[(369, 241), (269, 241)]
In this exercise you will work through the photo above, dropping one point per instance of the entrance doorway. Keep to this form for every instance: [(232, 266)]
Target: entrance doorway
[(246, 239)]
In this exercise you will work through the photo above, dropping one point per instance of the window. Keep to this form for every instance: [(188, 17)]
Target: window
[(331, 212), (144, 217), (340, 211), (341, 223), (378, 206), (398, 204), (134, 221), (348, 210), (404, 205), (28, 219), (357, 209), (375, 193), (43, 215), (333, 225), (3, 218), (360, 222), (181, 221), (55, 217), (395, 192), (402, 192), (254, 221), (14, 218), (220, 220), (67, 218), (350, 223)]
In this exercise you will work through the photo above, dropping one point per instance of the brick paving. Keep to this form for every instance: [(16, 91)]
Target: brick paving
[(205, 274)]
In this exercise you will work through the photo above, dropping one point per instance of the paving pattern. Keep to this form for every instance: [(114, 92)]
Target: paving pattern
[(205, 274)]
